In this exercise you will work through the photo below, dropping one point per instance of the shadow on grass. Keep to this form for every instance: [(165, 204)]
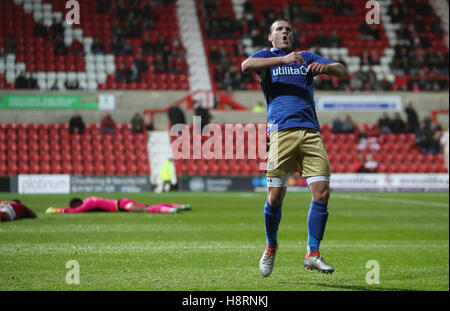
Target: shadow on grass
[(371, 288), (362, 288)]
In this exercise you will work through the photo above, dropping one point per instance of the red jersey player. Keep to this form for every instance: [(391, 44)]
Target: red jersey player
[(14, 209)]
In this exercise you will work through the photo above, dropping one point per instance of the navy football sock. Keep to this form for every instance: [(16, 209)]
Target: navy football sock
[(272, 218), (317, 219)]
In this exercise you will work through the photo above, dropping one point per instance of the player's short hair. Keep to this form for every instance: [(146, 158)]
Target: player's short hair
[(74, 202), (280, 19)]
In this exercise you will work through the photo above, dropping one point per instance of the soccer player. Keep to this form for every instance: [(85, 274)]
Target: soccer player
[(13, 210), (95, 204), (286, 78)]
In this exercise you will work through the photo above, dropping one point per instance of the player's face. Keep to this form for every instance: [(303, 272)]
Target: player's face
[(281, 36)]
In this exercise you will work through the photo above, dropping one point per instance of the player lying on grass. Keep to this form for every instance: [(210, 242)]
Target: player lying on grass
[(13, 210), (95, 204)]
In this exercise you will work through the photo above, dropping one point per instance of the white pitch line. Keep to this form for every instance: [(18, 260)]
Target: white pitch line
[(208, 247), (405, 201)]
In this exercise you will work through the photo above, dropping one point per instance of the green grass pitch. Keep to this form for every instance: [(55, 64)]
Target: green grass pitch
[(217, 245)]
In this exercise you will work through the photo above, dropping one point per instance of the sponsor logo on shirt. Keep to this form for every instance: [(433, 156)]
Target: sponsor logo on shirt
[(289, 71)]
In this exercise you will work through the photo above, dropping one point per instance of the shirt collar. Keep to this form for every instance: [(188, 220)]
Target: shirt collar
[(275, 50)]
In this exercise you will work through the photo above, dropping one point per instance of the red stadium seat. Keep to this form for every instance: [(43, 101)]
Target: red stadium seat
[(131, 169), (78, 169), (182, 170), (97, 148), (44, 146), (11, 127), (422, 168), (337, 167), (442, 168), (56, 168), (234, 168), (89, 169), (245, 168), (434, 167), (45, 168), (92, 128), (22, 135), (77, 157), (127, 137), (202, 169), (54, 126), (96, 137), (213, 168), (130, 155), (12, 169), (66, 155), (143, 169), (12, 156), (108, 147), (86, 138), (11, 136), (119, 156), (3, 169), (24, 168), (140, 147), (87, 156), (121, 170), (76, 147), (23, 157), (141, 156), (109, 157), (75, 138), (67, 167), (107, 138), (43, 135), (33, 137), (64, 135), (45, 156), (126, 128), (34, 168)]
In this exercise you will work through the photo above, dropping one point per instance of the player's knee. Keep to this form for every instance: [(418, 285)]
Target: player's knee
[(274, 199), (322, 195)]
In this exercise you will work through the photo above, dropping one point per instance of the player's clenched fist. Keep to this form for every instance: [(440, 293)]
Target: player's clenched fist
[(293, 57), (316, 68)]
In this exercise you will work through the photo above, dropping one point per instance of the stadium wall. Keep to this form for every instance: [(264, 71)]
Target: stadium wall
[(127, 103), (34, 184)]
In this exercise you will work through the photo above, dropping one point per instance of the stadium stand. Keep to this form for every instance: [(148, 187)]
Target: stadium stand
[(407, 51), (47, 47), (394, 153), (223, 45), (409, 40), (245, 166), (136, 45), (50, 149)]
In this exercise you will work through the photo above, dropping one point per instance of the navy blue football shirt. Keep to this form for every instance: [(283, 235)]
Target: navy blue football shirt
[(289, 91)]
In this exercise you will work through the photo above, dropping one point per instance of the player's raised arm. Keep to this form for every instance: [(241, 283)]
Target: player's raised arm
[(254, 64), (334, 69)]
